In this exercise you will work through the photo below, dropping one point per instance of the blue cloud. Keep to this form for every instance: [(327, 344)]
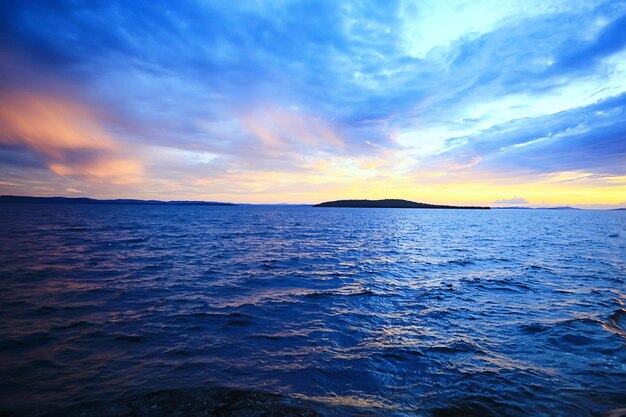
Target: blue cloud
[(610, 40), (186, 75), (590, 137)]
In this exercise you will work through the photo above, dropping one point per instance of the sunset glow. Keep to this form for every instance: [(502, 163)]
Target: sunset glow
[(486, 103)]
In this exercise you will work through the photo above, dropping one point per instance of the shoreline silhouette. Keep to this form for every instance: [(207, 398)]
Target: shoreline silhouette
[(393, 203)]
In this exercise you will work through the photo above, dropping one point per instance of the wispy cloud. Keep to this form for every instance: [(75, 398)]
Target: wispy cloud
[(207, 98), (290, 129), (66, 137), (514, 200)]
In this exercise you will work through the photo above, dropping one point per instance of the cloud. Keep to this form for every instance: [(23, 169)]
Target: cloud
[(66, 138), (280, 129), (270, 93), (584, 54), (588, 137), (514, 200)]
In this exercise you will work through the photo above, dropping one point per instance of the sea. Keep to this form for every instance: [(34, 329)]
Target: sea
[(400, 312)]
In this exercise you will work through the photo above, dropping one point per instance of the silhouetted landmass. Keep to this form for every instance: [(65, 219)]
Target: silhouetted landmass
[(620, 209), (85, 200), (513, 208), (558, 208), (391, 204)]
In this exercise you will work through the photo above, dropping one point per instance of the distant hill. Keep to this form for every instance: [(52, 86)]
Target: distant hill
[(84, 200), (620, 209), (513, 208), (558, 208), (391, 204)]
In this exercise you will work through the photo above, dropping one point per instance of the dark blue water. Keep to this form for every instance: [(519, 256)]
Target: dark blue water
[(415, 312)]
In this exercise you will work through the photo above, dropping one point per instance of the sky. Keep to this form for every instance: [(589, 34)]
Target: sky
[(495, 102)]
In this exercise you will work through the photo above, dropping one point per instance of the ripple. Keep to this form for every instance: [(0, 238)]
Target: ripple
[(408, 313), (214, 402), (616, 323)]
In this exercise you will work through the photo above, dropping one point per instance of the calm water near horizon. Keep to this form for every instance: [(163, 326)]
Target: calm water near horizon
[(409, 312)]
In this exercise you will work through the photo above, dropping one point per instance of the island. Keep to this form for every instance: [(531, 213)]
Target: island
[(558, 208), (392, 203)]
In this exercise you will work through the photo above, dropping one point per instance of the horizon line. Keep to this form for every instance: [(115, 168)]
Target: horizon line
[(216, 202)]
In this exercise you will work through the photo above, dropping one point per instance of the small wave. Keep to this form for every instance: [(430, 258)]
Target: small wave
[(533, 328), (327, 294), (401, 355), (458, 346), (75, 229), (513, 284), (618, 412), (238, 322), (578, 332), (134, 240), (510, 285), (131, 338), (214, 401), (279, 336), (616, 323), (46, 310), (580, 320), (460, 262), (535, 267), (617, 315), (219, 315), (72, 325), (27, 341), (478, 406), (576, 339)]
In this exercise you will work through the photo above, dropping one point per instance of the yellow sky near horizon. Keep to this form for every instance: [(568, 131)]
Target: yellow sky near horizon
[(79, 157)]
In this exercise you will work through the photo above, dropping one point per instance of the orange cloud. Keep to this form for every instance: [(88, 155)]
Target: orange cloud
[(67, 137), (280, 128)]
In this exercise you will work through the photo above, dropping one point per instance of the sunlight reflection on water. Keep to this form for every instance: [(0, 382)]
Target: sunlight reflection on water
[(413, 311)]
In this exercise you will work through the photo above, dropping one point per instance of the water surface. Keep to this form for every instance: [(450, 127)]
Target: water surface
[(409, 312)]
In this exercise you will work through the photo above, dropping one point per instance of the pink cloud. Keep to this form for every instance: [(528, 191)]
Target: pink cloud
[(67, 137)]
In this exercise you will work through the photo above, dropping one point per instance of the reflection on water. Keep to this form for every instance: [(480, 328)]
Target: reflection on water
[(419, 312)]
